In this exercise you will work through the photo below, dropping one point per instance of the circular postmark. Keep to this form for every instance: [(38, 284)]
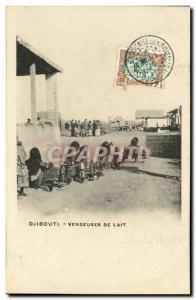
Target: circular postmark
[(149, 59)]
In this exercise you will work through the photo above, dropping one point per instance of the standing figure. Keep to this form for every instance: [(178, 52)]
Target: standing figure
[(79, 128), (72, 127), (75, 128), (98, 128), (90, 128), (82, 129), (94, 127), (22, 173), (85, 127)]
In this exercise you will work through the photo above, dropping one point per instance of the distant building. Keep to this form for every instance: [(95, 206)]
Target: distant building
[(152, 118)]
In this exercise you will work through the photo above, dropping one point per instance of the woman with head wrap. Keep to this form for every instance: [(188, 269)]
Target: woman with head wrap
[(34, 165)]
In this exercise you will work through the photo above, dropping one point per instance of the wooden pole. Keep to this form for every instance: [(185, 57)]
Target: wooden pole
[(33, 95)]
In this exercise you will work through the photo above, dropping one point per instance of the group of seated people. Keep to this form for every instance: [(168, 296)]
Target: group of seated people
[(33, 171)]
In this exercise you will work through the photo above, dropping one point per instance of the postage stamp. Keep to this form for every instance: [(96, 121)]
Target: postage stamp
[(125, 78), (149, 59)]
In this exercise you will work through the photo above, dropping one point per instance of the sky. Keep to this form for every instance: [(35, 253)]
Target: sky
[(85, 43)]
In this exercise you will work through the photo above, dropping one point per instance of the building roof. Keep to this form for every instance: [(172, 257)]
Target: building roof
[(173, 111), (26, 55), (149, 113)]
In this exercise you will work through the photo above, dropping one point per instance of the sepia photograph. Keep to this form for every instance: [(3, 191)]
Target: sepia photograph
[(121, 152), (98, 116)]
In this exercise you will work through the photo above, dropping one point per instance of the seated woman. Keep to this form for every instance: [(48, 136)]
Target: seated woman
[(72, 154), (106, 145), (134, 142), (75, 144), (83, 168), (136, 146), (35, 168), (67, 170), (103, 160)]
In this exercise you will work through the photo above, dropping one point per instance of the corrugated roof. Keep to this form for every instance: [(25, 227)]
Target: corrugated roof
[(149, 113)]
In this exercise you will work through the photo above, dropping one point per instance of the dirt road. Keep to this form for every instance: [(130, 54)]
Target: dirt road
[(136, 187)]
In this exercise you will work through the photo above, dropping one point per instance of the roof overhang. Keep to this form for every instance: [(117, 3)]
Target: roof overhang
[(26, 56), (174, 111)]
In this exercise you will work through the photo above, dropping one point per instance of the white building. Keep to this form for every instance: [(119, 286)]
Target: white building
[(152, 118)]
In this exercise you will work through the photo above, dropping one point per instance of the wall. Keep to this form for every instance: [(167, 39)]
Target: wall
[(40, 137), (153, 122), (164, 145)]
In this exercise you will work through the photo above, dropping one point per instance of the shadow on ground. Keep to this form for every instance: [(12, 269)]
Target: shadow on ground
[(136, 170)]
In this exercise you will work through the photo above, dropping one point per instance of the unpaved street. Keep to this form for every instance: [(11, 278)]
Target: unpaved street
[(136, 187)]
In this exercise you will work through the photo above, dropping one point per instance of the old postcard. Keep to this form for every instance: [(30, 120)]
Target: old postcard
[(98, 150)]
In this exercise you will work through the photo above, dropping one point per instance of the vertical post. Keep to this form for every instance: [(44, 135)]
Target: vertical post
[(55, 93), (180, 115), (51, 92), (33, 95)]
